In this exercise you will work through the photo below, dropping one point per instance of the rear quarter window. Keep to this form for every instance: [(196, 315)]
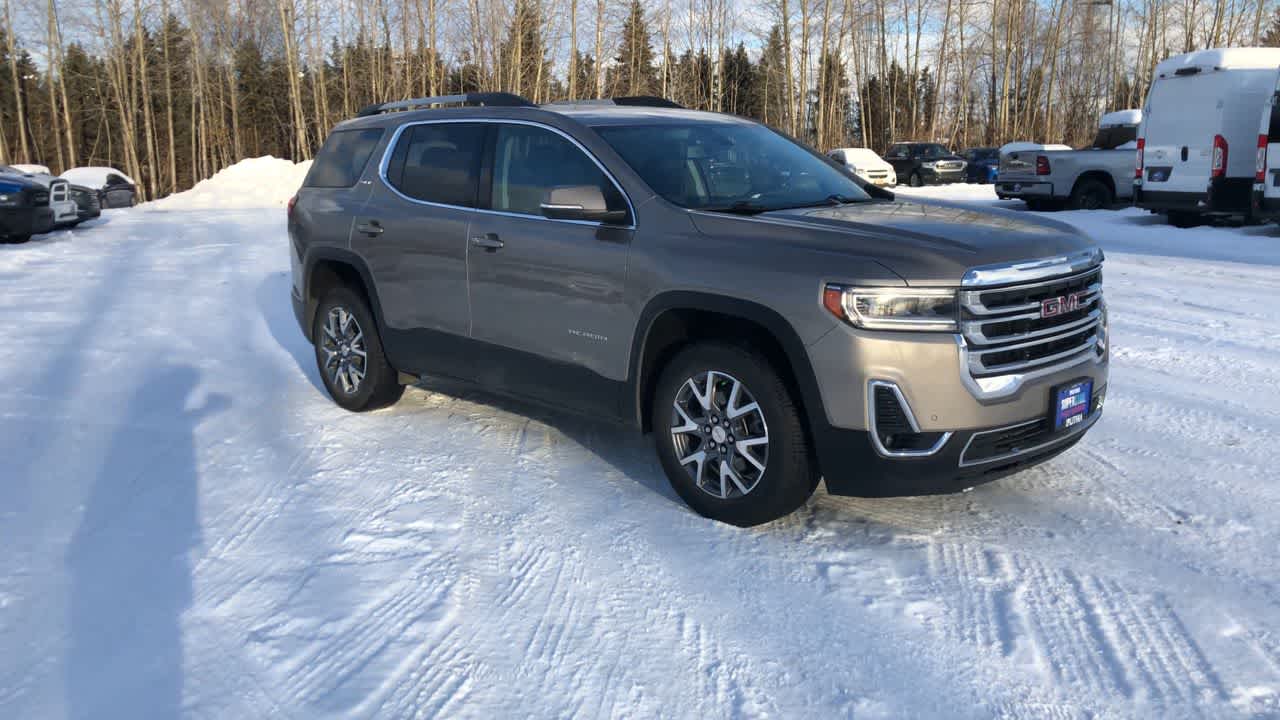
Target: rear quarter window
[(342, 159)]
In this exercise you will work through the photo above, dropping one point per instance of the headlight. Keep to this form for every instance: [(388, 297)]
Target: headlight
[(928, 164), (893, 308)]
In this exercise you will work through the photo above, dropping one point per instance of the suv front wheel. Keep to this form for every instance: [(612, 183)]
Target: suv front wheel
[(349, 354), (729, 436)]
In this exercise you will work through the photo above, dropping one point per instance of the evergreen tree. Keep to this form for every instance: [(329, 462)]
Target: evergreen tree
[(634, 73), (526, 70)]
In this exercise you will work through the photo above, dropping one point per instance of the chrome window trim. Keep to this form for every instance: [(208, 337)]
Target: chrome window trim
[(395, 139), (1088, 423), (911, 420), (1029, 271)]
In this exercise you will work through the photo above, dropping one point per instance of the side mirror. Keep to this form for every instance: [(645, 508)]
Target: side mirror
[(579, 202)]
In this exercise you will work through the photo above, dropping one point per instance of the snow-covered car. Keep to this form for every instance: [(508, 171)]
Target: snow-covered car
[(1087, 179), (29, 169), (65, 210), (866, 164), (115, 189), (24, 207)]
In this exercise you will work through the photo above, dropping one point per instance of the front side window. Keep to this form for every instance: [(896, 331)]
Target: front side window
[(734, 167), (438, 162), (528, 161), (338, 164)]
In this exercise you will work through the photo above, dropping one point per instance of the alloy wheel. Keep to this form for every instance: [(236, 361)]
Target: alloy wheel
[(345, 357), (720, 435)]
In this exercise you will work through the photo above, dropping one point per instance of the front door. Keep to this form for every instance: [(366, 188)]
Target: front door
[(550, 289)]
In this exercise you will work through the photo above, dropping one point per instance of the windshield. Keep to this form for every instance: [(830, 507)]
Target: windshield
[(986, 154), (730, 167), (929, 150)]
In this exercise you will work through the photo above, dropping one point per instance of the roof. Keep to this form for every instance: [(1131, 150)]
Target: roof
[(1121, 117), (1222, 59), (94, 177), (588, 113)]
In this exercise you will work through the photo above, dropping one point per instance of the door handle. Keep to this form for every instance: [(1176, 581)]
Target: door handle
[(371, 228), (488, 241)]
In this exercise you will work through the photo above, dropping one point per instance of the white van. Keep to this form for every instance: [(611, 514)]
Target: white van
[(1266, 183), (1198, 139), (866, 164)]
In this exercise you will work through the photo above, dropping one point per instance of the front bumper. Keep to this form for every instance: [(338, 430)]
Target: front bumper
[(941, 177), (851, 465), (25, 221), (928, 371)]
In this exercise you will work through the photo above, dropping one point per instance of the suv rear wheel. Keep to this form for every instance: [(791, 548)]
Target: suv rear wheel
[(349, 354), (729, 435)]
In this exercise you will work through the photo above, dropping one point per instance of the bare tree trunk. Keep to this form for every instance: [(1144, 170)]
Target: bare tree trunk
[(19, 106)]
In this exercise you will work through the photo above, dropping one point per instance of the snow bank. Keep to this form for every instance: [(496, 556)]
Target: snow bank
[(254, 183)]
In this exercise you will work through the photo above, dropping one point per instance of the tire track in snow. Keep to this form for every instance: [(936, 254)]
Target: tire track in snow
[(980, 614), (1151, 641)]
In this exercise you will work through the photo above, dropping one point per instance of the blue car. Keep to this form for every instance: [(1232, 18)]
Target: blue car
[(982, 164)]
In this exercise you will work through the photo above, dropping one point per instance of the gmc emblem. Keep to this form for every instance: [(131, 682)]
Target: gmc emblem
[(1058, 305)]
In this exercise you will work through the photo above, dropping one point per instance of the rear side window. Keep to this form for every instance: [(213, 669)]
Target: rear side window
[(528, 161), (1110, 138), (342, 159), (438, 163)]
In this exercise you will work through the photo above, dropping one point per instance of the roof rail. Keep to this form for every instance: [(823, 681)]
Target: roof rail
[(490, 99), (627, 100)]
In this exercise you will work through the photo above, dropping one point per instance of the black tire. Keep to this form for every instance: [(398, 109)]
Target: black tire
[(1090, 194), (15, 239), (1185, 219), (788, 477), (380, 385), (915, 180)]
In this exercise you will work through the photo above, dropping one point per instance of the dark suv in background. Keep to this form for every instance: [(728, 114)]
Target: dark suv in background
[(922, 163), (772, 320)]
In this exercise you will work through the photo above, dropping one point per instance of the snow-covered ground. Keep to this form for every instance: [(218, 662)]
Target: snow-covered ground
[(188, 526)]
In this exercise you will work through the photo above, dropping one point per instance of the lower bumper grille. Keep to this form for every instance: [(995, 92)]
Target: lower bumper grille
[(1008, 442)]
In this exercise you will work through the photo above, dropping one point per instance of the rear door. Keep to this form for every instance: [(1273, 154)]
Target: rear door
[(549, 288), (412, 235), (1180, 120)]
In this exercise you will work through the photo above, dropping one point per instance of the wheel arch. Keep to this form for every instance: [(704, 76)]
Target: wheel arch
[(668, 322), (1102, 176), (326, 268)]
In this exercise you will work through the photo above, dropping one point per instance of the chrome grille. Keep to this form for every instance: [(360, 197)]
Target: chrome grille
[(1023, 328)]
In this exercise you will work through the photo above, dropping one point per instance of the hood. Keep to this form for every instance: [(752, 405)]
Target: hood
[(25, 182), (926, 244)]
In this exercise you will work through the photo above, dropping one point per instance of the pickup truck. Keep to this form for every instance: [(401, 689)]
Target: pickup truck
[(1095, 177)]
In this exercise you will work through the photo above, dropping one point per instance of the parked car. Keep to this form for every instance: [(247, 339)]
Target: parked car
[(1087, 179), (28, 169), (866, 164), (1198, 145), (65, 210), (24, 207), (771, 320), (923, 163), (981, 164), (115, 189)]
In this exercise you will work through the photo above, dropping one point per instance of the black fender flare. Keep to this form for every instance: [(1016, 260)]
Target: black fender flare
[(316, 255), (770, 320)]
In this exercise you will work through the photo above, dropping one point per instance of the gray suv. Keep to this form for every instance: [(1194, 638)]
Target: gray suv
[(770, 318)]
